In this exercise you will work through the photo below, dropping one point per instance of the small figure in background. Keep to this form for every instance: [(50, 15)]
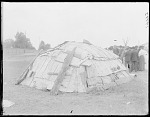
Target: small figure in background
[(134, 59), (127, 56), (142, 56), (115, 50)]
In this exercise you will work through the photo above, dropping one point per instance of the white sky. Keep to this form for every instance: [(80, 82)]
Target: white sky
[(56, 22)]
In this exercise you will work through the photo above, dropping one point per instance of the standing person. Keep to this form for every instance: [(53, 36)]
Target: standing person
[(142, 56), (115, 50), (127, 56), (120, 51), (134, 59), (138, 58)]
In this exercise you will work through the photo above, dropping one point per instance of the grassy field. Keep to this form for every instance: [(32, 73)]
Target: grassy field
[(126, 99)]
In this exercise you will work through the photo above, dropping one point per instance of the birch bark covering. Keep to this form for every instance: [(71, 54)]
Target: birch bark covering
[(61, 74)]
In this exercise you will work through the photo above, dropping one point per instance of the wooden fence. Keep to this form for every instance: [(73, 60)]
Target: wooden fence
[(17, 51)]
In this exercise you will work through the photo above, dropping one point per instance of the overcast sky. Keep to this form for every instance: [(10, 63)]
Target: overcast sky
[(99, 23)]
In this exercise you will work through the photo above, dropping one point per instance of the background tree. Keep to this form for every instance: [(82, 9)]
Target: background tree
[(22, 41), (41, 45), (8, 43), (44, 46)]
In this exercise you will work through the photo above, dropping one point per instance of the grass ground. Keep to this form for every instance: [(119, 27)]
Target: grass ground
[(127, 99)]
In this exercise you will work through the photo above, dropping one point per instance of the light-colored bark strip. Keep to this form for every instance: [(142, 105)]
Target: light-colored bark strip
[(61, 74)]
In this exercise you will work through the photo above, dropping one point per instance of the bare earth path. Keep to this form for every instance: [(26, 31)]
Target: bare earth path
[(126, 99)]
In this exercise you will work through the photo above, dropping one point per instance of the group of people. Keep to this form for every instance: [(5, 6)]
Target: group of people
[(135, 59)]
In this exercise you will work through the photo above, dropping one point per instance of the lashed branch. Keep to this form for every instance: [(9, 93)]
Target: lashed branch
[(61, 74)]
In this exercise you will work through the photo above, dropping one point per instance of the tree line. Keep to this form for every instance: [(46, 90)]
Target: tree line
[(23, 42)]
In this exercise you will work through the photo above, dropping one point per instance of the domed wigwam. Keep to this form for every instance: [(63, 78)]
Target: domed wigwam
[(75, 67)]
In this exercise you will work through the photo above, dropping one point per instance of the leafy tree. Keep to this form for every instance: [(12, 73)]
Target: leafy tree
[(8, 43), (22, 41), (44, 46)]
